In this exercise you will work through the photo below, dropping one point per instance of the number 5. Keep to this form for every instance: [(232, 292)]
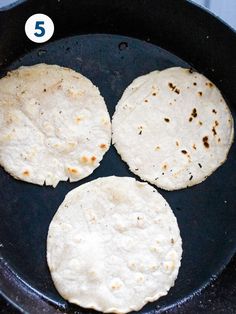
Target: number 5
[(40, 28)]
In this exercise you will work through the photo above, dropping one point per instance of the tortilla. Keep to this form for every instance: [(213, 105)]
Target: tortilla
[(173, 130), (54, 125), (114, 245)]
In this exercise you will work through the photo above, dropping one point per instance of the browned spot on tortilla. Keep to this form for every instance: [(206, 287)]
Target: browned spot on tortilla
[(190, 119), (214, 131), (214, 111), (167, 119), (194, 146), (78, 119), (209, 84), (219, 140), (174, 88), (103, 146), (84, 159), (172, 241), (154, 94), (145, 100), (190, 70), (157, 148), (217, 123), (164, 167), (194, 113), (93, 158), (177, 143), (200, 93), (26, 173), (200, 122), (171, 86), (44, 90), (184, 152), (72, 170), (221, 100), (205, 141), (194, 83)]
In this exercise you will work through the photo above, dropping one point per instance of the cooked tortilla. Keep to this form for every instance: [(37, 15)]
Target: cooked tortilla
[(114, 245), (54, 125), (174, 129)]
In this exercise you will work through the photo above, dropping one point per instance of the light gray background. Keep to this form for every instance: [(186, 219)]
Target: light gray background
[(226, 9)]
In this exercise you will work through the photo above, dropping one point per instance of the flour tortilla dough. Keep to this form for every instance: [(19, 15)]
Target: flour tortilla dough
[(54, 125), (114, 245), (173, 129)]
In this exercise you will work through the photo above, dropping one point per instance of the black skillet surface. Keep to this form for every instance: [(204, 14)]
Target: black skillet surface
[(206, 212)]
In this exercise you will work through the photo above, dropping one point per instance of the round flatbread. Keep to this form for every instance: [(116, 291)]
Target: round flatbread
[(114, 245), (174, 129), (54, 125)]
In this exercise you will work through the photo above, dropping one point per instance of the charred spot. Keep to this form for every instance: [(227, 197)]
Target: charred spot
[(214, 111), (145, 100), (200, 93), (154, 94), (205, 141), (190, 70), (140, 130), (136, 169), (177, 143), (164, 166), (184, 152), (60, 111), (219, 140), (163, 173), (174, 88), (190, 178), (194, 83), (194, 113), (156, 178), (200, 166), (172, 241), (217, 123), (200, 122), (209, 84), (194, 146), (214, 131), (190, 119), (167, 119), (45, 90), (157, 148), (171, 86)]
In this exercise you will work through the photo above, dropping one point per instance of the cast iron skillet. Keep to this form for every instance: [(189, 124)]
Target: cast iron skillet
[(112, 42)]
